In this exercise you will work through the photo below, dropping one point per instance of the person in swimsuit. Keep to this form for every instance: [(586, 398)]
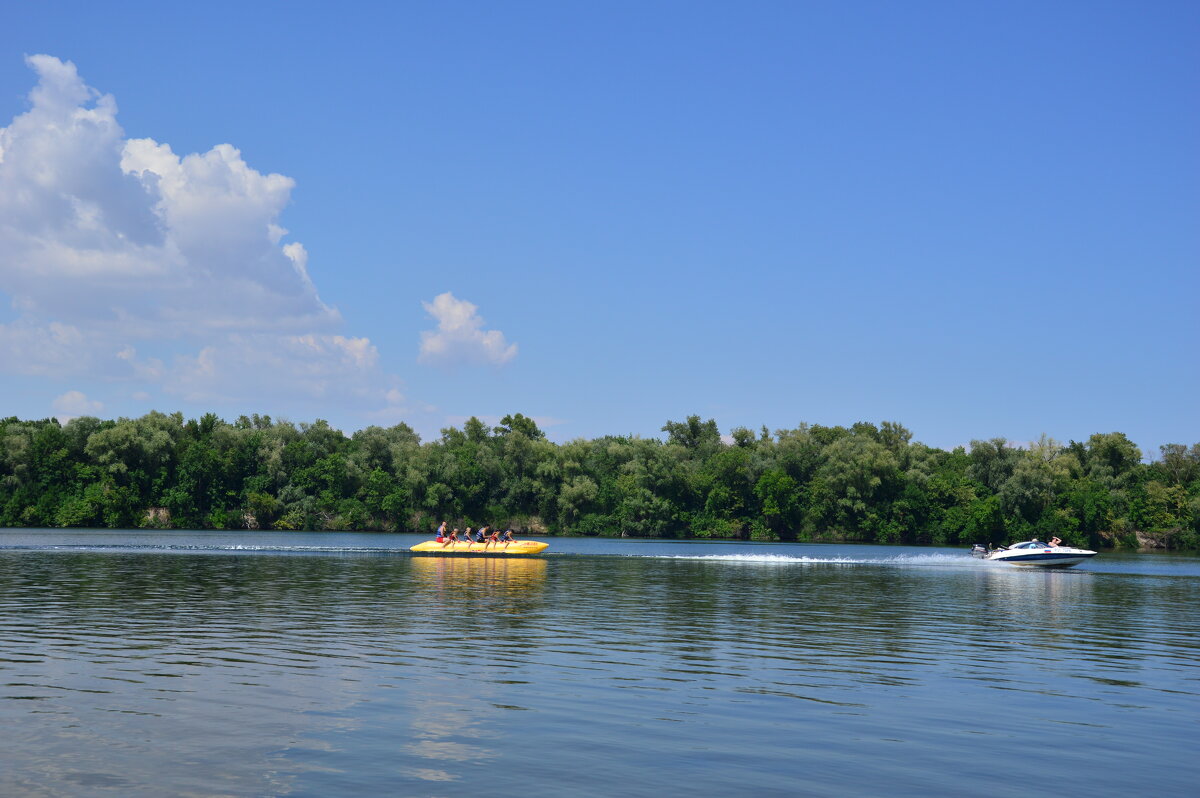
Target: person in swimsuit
[(507, 537), (441, 532)]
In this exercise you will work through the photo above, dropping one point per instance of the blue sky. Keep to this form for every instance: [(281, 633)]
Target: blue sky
[(977, 219)]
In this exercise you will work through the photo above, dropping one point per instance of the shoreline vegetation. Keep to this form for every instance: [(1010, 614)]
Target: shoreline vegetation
[(863, 483)]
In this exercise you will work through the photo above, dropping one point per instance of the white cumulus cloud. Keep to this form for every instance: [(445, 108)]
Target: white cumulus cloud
[(460, 337), (110, 247), (130, 236)]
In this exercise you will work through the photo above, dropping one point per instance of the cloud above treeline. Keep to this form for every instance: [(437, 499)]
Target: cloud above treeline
[(460, 337), (74, 404), (125, 261)]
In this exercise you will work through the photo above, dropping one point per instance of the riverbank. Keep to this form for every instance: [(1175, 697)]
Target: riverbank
[(863, 483)]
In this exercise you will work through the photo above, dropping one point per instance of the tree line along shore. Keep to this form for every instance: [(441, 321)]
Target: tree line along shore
[(869, 483)]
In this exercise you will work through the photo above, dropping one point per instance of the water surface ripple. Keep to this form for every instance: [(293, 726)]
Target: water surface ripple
[(193, 664)]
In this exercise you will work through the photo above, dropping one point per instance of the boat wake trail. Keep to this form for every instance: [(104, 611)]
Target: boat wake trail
[(203, 548), (900, 560), (944, 560)]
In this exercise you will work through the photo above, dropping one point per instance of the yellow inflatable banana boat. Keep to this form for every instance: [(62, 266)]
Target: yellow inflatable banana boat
[(463, 547)]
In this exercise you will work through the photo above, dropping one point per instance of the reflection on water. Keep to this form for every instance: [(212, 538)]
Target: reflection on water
[(261, 674), (450, 725), (504, 576)]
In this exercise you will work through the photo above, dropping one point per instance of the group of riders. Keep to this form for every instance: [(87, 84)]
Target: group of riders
[(485, 535)]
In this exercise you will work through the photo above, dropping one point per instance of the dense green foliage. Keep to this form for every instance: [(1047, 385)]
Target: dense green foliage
[(863, 483)]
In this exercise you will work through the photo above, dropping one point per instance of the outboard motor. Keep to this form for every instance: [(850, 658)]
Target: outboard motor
[(979, 550)]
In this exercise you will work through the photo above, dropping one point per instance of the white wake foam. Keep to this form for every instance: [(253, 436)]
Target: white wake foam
[(785, 559)]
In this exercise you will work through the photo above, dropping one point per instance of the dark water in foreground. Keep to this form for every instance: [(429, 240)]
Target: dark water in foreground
[(206, 664)]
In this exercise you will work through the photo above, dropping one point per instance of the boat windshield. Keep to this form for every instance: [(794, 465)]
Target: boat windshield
[(1033, 544)]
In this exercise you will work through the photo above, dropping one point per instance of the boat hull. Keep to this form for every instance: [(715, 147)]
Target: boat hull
[(1045, 560), (1034, 553), (463, 547)]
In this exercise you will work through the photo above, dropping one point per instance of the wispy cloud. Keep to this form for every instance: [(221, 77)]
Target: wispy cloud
[(74, 404)]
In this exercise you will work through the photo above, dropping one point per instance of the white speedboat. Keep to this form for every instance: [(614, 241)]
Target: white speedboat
[(1035, 552)]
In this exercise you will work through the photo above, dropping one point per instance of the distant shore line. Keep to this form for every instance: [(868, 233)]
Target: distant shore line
[(865, 483), (1149, 546)]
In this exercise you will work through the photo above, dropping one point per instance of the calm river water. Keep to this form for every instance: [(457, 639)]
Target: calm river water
[(311, 664)]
